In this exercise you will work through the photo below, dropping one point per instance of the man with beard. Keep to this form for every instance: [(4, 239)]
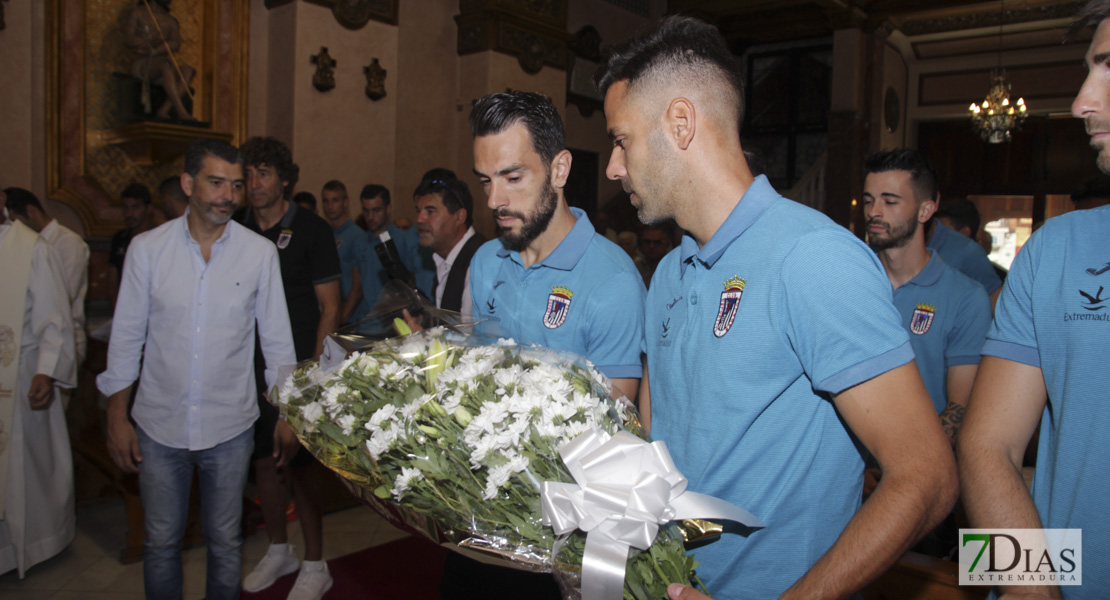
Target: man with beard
[(193, 295), (774, 352), (444, 224), (550, 279), (310, 274), (1044, 362), (946, 314)]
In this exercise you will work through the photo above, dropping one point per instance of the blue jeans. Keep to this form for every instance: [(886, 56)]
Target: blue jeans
[(165, 479)]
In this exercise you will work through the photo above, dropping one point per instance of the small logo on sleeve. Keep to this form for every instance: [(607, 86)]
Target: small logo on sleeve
[(558, 305), (922, 318), (730, 303)]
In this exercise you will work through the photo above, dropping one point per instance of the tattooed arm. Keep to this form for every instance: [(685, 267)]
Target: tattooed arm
[(959, 380)]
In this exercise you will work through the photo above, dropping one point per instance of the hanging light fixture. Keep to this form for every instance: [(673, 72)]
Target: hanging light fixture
[(996, 117)]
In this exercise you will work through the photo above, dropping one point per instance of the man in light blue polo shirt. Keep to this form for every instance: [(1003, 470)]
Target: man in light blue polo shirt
[(772, 343), (352, 245), (549, 279), (1045, 361), (965, 255), (946, 314), (377, 210)]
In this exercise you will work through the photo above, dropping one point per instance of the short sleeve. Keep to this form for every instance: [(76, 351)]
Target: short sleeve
[(973, 319), (1012, 335), (838, 311), (617, 326)]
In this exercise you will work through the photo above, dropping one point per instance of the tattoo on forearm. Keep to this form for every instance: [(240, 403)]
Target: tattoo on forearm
[(951, 419)]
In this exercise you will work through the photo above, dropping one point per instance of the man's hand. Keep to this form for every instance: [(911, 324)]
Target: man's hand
[(123, 445), (677, 591), (41, 392), (285, 444)]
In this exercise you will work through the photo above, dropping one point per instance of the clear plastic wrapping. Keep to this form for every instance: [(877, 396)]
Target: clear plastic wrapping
[(450, 434)]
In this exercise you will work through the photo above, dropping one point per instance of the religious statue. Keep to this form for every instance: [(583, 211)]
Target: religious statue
[(153, 35), (375, 80), (324, 78)]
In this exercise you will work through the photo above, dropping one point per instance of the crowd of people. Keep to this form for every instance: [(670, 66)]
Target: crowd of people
[(844, 391)]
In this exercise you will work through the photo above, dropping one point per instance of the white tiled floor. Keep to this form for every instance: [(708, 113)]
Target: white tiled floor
[(89, 568)]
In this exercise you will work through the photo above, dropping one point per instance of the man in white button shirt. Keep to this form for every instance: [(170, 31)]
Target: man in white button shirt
[(191, 294), (444, 218), (70, 250)]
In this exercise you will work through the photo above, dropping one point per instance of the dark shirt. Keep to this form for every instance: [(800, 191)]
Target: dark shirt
[(118, 250), (306, 249)]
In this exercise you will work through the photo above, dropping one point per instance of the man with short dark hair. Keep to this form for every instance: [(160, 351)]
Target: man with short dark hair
[(773, 346), (946, 313), (37, 518), (172, 197), (310, 274), (444, 224), (411, 262), (305, 200), (1044, 362), (549, 279), (138, 217), (71, 252), (352, 246), (961, 252), (194, 294)]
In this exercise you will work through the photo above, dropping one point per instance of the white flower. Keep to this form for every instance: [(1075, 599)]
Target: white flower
[(451, 403), (383, 414), (506, 342), (347, 422), (368, 364), (312, 412), (404, 481), (392, 371), (408, 411), (498, 476), (481, 448), (509, 376), (288, 391)]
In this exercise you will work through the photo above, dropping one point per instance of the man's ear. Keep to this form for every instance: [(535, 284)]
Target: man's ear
[(187, 184), (680, 122), (560, 168), (926, 211)]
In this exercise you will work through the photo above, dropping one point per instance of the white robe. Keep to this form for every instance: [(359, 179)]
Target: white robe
[(39, 517), (72, 255)]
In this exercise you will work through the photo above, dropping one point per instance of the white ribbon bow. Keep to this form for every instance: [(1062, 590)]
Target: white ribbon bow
[(626, 488)]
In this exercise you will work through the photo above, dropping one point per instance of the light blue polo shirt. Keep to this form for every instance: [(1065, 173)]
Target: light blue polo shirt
[(947, 316), (745, 339), (352, 245), (416, 259), (586, 297), (965, 255), (1054, 313)]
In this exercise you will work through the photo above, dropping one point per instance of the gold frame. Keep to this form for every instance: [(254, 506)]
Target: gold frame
[(224, 70)]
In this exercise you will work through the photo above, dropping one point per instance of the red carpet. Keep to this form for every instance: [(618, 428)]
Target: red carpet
[(409, 569)]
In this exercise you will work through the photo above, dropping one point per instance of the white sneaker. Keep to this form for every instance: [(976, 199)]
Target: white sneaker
[(276, 563), (311, 585)]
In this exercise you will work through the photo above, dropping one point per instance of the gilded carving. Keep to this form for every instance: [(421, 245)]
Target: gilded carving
[(324, 77), (375, 80), (1027, 14)]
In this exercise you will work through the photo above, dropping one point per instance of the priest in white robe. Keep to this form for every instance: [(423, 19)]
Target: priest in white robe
[(37, 358)]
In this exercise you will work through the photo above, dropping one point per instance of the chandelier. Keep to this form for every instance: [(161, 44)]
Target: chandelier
[(996, 117)]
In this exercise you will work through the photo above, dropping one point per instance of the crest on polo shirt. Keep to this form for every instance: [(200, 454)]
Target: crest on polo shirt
[(922, 318), (558, 305), (730, 303), (283, 239)]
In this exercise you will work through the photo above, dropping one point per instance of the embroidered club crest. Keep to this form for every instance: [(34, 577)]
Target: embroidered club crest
[(730, 302), (558, 305), (922, 318), (283, 239)]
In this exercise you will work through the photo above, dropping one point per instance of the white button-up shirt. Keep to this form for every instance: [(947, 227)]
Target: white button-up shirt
[(193, 324), (73, 257), (443, 269)]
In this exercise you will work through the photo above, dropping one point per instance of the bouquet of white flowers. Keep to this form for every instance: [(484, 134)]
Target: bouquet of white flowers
[(467, 442)]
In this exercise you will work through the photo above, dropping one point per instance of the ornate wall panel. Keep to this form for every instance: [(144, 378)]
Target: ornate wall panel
[(84, 49)]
